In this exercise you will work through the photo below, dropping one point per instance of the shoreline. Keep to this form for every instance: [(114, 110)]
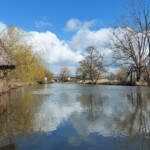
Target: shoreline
[(6, 85), (115, 82)]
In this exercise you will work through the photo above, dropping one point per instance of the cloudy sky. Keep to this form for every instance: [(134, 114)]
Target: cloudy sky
[(62, 29)]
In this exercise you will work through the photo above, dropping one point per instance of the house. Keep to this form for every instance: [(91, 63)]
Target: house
[(5, 61)]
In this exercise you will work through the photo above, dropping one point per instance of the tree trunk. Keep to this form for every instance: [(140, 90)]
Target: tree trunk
[(138, 75)]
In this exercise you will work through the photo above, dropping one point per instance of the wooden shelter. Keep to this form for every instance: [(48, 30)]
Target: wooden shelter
[(5, 60)]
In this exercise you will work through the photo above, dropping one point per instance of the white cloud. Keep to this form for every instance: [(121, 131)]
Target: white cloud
[(100, 38), (86, 37), (75, 24), (2, 26), (54, 50), (41, 24), (72, 24)]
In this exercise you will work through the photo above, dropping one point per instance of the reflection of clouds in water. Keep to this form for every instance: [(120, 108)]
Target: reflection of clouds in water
[(76, 140), (113, 116), (56, 114), (115, 119), (101, 126)]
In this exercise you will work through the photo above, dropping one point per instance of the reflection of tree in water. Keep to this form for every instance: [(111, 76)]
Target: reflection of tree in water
[(93, 103), (136, 124), (128, 121), (19, 115)]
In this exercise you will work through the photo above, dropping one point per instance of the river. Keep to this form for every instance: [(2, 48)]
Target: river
[(75, 117)]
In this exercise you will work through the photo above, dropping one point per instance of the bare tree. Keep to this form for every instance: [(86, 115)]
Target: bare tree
[(81, 73), (64, 73), (92, 65), (121, 75), (131, 38)]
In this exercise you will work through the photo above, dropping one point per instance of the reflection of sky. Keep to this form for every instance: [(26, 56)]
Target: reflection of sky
[(65, 138), (56, 113), (61, 105), (64, 118)]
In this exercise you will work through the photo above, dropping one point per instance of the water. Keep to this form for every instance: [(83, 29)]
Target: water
[(75, 117)]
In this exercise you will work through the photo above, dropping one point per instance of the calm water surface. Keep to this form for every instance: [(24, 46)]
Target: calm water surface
[(75, 117)]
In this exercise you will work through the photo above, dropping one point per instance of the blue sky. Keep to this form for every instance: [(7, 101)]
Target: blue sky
[(51, 17)]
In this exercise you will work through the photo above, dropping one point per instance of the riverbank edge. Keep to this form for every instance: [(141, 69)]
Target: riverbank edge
[(8, 85), (116, 82)]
